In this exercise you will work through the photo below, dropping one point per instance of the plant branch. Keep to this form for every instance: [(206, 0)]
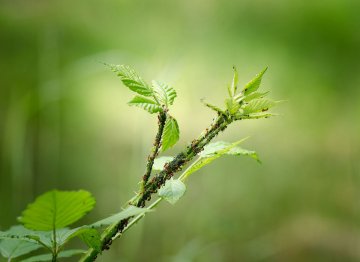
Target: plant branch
[(183, 177), (197, 145), (155, 150)]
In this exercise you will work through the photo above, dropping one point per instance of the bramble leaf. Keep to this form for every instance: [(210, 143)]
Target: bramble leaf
[(164, 94), (62, 254), (238, 151), (255, 95), (172, 191), (256, 116), (13, 246), (21, 233), (215, 108), (132, 80), (57, 209), (171, 133), (126, 213), (232, 106), (146, 104), (91, 238), (213, 149), (254, 84), (212, 152), (161, 161), (258, 106)]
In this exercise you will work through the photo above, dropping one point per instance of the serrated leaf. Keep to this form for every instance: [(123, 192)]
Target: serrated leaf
[(256, 116), (146, 104), (12, 247), (255, 95), (57, 209), (238, 151), (24, 234), (254, 84), (171, 133), (164, 93), (215, 108), (132, 80), (258, 106), (213, 149), (172, 191), (210, 153), (232, 106), (161, 161), (126, 213), (62, 254)]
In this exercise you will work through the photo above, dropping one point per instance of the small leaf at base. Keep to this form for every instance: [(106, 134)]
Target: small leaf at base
[(172, 191), (161, 161)]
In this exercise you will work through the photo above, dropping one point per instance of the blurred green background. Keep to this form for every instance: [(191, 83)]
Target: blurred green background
[(64, 122)]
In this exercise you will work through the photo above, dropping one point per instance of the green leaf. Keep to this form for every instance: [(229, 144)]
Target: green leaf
[(171, 133), (146, 104), (255, 95), (164, 94), (172, 191), (210, 153), (238, 151), (213, 149), (90, 236), (215, 108), (57, 209), (24, 234), (234, 82), (232, 106), (13, 247), (132, 80), (258, 106), (255, 116), (126, 213), (92, 239), (62, 254), (161, 161), (254, 84)]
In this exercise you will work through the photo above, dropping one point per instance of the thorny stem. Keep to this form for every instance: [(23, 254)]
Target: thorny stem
[(182, 178), (154, 151), (197, 145), (137, 219)]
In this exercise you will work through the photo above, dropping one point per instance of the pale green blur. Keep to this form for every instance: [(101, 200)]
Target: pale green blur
[(64, 122)]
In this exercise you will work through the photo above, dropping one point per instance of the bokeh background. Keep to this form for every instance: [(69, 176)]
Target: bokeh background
[(64, 122)]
